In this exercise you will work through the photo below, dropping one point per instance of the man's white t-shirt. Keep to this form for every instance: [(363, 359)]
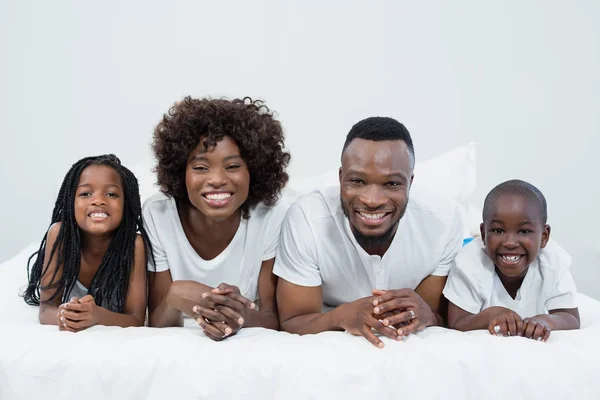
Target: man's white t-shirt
[(255, 241), (474, 285), (317, 247)]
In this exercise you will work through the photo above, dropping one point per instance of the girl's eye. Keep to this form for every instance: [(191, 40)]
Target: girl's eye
[(112, 194), (85, 194)]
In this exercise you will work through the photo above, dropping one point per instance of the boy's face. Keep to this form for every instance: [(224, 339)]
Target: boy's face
[(513, 234)]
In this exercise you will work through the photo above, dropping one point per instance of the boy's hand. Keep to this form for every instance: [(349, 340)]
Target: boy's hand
[(536, 329), (226, 314), (504, 321), (79, 315)]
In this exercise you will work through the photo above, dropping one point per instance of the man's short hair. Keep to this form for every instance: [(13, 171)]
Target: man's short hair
[(516, 187), (378, 129)]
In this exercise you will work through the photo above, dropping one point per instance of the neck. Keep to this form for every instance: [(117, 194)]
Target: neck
[(209, 228), (512, 283), (376, 245), (95, 246)]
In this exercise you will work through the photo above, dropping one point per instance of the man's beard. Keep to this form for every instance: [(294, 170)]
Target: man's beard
[(373, 241)]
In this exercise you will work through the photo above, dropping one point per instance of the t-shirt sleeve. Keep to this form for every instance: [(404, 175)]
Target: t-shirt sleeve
[(296, 254), (157, 262), (563, 296), (453, 245), (273, 229), (462, 287)]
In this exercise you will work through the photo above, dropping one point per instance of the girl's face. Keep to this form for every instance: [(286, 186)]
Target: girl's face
[(217, 180), (99, 200)]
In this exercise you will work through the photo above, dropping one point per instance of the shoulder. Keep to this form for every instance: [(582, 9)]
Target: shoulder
[(553, 258), (158, 202), (53, 231)]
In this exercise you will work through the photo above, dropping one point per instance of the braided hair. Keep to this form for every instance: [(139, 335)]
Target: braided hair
[(110, 284)]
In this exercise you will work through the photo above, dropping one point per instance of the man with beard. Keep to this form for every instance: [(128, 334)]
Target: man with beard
[(376, 260)]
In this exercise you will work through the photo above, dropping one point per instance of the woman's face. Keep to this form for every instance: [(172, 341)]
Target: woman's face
[(217, 180)]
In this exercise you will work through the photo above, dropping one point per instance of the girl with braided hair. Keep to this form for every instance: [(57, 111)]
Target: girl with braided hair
[(91, 265)]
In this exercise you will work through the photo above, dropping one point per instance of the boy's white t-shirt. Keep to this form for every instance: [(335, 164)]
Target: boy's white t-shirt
[(317, 247), (255, 241), (473, 284)]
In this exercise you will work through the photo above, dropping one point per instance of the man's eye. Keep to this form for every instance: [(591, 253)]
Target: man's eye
[(393, 184), (356, 181)]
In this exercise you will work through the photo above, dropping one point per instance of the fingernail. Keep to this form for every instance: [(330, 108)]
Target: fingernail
[(240, 321), (253, 306), (380, 345), (374, 303), (198, 321), (62, 312), (204, 295), (228, 331), (196, 309), (385, 322), (399, 332), (376, 310)]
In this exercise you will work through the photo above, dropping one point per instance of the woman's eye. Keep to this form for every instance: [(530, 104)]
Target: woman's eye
[(235, 166), (200, 168)]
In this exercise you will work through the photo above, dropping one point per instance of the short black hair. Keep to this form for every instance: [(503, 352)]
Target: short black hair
[(516, 187), (378, 129)]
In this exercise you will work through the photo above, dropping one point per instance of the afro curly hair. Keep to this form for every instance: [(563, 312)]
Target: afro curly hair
[(248, 122)]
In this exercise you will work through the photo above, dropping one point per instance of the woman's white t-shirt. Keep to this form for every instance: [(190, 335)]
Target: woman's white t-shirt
[(473, 284), (239, 264)]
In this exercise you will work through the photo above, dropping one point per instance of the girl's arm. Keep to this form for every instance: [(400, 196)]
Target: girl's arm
[(48, 311), (85, 313)]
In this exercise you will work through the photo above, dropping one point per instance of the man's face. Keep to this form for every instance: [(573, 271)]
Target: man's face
[(375, 179)]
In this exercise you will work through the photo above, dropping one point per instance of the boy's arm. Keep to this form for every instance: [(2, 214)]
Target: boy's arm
[(506, 320), (561, 319)]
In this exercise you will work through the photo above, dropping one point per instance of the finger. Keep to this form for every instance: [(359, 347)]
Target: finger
[(528, 330), (74, 299), (77, 307), (538, 332), (396, 319), (212, 315), (231, 315), (493, 327), (546, 335), (511, 325), (503, 326), (213, 337), (74, 325), (519, 322), (225, 288), (238, 297), (389, 295), (210, 328), (86, 299), (394, 304), (218, 299), (73, 316), (414, 326), (368, 334), (378, 292), (384, 330)]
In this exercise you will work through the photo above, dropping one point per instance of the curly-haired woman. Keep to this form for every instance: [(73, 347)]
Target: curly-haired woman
[(215, 227)]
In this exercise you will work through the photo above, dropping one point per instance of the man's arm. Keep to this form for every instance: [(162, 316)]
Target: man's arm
[(430, 290)]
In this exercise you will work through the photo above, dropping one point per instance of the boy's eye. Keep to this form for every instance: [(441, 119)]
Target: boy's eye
[(497, 230), (525, 231)]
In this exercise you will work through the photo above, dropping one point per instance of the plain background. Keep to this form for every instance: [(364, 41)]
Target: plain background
[(521, 78)]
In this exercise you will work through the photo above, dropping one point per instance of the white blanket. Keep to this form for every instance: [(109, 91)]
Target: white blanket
[(146, 363)]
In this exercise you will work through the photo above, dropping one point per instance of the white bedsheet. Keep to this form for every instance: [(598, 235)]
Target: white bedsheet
[(145, 363)]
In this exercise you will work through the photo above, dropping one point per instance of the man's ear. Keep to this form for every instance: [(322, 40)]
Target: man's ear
[(482, 232), (340, 176), (545, 236)]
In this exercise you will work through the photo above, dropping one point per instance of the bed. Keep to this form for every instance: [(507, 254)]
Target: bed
[(147, 363)]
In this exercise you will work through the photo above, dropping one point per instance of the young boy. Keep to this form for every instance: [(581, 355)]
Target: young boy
[(514, 280)]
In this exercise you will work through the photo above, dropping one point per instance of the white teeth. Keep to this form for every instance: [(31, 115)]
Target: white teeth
[(99, 215), (372, 216), (511, 258), (219, 196)]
